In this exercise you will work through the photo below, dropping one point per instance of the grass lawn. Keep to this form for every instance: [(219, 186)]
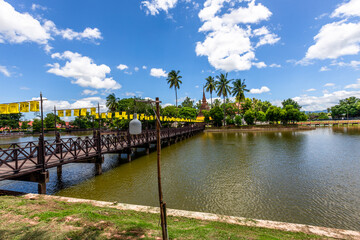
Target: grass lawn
[(22, 218)]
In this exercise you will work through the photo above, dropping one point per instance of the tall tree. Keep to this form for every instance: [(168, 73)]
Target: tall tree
[(111, 102), (238, 91), (290, 101), (210, 86), (174, 81), (222, 87)]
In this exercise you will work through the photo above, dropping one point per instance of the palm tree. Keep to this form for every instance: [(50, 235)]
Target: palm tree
[(111, 102), (238, 91), (210, 86), (222, 87), (174, 81)]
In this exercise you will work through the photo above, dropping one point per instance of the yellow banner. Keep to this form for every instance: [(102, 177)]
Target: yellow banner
[(24, 107), (34, 106), (131, 116), (96, 116), (61, 113), (103, 115), (83, 112), (123, 114), (68, 113), (93, 111), (117, 115), (76, 112), (109, 115), (13, 108), (126, 117), (3, 109)]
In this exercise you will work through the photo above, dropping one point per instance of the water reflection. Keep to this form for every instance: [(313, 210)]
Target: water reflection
[(307, 177)]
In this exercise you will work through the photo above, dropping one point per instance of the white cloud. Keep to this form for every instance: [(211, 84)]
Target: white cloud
[(259, 64), (154, 7), (136, 69), (329, 85), (317, 103), (228, 45), (354, 86), (274, 65), (339, 38), (83, 71), (4, 71), (311, 90), (89, 92), (16, 27), (81, 103), (144, 67), (24, 88), (347, 9), (130, 94), (353, 64), (122, 67), (263, 89), (35, 6), (324, 69), (158, 72)]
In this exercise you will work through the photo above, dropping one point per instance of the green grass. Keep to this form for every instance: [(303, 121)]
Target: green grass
[(22, 218)]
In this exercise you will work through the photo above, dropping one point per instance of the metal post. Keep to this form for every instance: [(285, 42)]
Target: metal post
[(158, 146)]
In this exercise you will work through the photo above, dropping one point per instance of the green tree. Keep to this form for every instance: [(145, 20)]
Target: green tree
[(292, 102), (111, 102), (206, 115), (260, 116), (217, 115), (323, 116), (187, 112), (25, 125), (188, 103), (174, 81), (238, 91), (217, 103), (49, 121), (10, 120), (249, 117), (36, 125), (222, 87), (170, 111), (210, 86), (273, 114), (238, 120)]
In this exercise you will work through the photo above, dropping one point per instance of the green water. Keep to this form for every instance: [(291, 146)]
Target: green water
[(310, 177)]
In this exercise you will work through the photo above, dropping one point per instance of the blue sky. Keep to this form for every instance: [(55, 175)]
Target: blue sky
[(77, 52)]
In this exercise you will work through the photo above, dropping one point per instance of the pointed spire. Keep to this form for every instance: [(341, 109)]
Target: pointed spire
[(204, 98)]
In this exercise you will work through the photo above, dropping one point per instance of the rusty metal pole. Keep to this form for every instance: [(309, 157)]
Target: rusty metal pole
[(42, 135), (99, 116), (158, 146)]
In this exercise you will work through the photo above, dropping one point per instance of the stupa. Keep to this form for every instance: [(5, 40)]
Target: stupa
[(204, 106)]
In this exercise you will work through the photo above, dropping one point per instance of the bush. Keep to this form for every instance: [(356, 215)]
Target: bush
[(260, 116), (238, 120), (217, 115), (249, 117)]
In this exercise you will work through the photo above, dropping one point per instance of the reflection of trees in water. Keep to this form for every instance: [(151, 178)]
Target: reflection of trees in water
[(347, 130)]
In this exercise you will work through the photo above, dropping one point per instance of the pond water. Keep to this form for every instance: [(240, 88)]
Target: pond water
[(309, 177)]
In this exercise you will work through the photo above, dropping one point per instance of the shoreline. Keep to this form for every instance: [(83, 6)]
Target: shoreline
[(275, 225), (260, 129)]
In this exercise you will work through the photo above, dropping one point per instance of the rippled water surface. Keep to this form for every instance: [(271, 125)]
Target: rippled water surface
[(310, 177)]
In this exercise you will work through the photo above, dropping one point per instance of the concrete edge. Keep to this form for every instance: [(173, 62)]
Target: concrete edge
[(257, 130), (292, 227)]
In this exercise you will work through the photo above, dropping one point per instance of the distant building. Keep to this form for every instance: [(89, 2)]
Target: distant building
[(204, 106)]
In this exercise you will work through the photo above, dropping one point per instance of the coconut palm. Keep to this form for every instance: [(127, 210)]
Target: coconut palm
[(222, 87), (210, 86), (111, 102), (174, 81), (238, 91)]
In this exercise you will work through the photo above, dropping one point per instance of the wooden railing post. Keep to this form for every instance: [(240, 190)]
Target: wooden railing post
[(41, 152)]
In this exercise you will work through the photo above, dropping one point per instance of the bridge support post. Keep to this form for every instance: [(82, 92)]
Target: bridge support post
[(59, 171), (128, 152), (42, 179), (98, 165)]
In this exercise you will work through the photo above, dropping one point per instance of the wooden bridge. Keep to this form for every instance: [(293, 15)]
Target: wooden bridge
[(30, 161), (331, 123)]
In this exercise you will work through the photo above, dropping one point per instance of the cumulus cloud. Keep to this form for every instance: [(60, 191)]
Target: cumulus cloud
[(259, 64), (144, 67), (35, 6), (4, 71), (158, 72), (89, 92), (339, 38), (81, 103), (83, 71), (154, 7), (263, 89), (230, 42), (311, 90), (122, 67), (354, 86), (136, 69), (353, 64), (274, 65), (16, 27), (318, 103)]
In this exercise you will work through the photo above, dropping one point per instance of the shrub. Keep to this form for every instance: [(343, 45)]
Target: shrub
[(217, 115), (238, 120), (249, 117)]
